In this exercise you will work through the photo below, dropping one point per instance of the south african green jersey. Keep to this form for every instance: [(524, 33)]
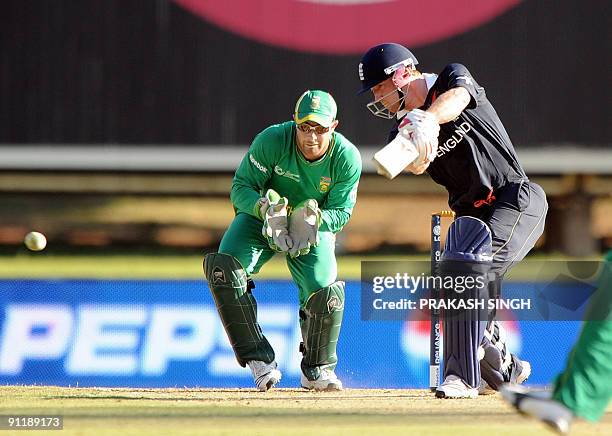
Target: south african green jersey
[(274, 161)]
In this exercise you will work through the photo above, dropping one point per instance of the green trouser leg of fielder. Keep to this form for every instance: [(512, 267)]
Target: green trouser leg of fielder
[(584, 387), (244, 243), (320, 321)]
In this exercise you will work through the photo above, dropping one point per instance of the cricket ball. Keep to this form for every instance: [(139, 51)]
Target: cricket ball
[(35, 241)]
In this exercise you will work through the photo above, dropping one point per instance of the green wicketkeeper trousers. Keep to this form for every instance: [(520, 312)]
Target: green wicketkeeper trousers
[(311, 272)]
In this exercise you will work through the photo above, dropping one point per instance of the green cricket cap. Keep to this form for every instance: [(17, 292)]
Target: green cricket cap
[(315, 105)]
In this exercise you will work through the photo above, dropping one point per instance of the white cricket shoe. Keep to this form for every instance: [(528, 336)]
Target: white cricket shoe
[(454, 387), (265, 374), (539, 405), (327, 381)]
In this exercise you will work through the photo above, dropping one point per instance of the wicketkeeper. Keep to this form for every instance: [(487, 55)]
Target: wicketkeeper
[(448, 126), (293, 191)]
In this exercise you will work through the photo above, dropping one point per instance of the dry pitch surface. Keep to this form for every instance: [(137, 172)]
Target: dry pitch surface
[(278, 412)]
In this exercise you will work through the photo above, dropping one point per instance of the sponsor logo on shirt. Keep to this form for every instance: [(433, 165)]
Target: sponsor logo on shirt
[(281, 172), (259, 166), (324, 184), (467, 79), (460, 133)]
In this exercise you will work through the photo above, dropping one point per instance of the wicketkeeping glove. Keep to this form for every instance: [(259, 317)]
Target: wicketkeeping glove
[(263, 203), (275, 221), (304, 225), (422, 129)]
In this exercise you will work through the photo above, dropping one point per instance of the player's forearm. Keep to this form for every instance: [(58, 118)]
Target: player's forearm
[(450, 104), (244, 198), (333, 220)]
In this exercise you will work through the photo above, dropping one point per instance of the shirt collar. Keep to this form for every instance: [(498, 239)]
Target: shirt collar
[(430, 79)]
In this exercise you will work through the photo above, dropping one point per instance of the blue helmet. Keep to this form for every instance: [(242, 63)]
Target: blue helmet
[(380, 62)]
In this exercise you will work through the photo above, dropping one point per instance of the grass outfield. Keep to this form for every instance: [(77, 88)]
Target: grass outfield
[(104, 411), (150, 266), (45, 265)]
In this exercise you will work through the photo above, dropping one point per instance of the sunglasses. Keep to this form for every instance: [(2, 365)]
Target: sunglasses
[(307, 128)]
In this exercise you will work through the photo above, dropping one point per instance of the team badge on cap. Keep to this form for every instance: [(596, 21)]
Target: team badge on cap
[(315, 105)]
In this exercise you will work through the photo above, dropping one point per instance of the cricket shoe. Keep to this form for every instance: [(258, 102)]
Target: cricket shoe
[(454, 387), (327, 381), (540, 406), (485, 389), (519, 370), (265, 374)]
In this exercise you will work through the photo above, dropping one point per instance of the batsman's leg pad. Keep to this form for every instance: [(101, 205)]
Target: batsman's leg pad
[(237, 308), (467, 254), (320, 321)]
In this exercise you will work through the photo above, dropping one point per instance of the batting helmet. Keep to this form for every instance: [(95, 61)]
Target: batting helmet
[(380, 62)]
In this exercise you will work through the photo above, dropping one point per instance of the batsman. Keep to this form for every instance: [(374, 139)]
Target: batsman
[(293, 191), (449, 129)]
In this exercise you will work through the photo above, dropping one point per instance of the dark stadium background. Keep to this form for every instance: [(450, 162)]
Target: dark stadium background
[(150, 75), (150, 72)]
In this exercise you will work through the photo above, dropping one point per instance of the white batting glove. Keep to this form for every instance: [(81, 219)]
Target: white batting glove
[(304, 225), (275, 222), (422, 129)]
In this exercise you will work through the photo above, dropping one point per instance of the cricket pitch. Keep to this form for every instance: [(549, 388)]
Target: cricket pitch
[(194, 411)]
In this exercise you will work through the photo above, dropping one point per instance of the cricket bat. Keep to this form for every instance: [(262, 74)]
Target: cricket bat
[(395, 156)]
